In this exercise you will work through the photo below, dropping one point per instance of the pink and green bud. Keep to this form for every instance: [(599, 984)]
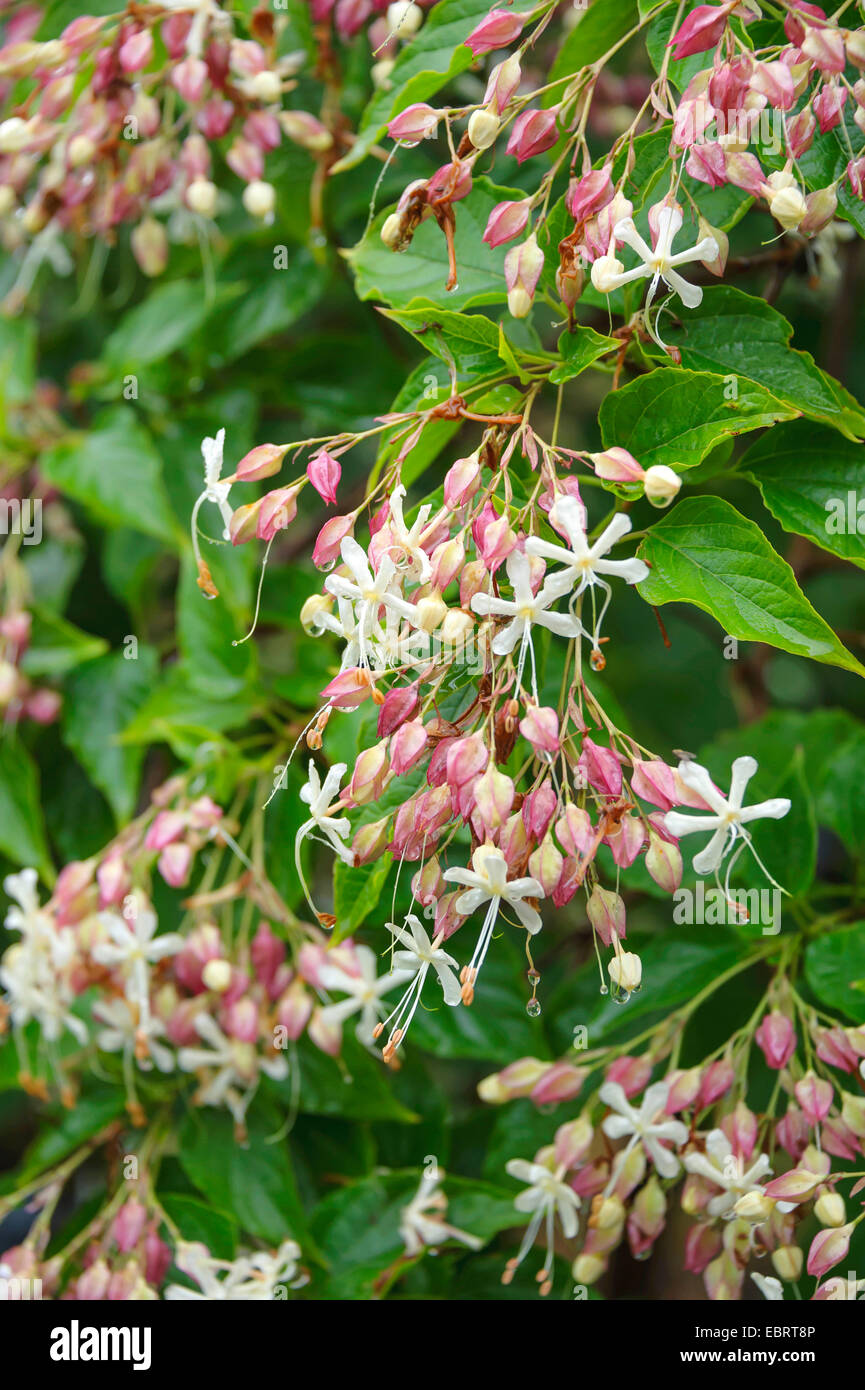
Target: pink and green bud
[(533, 132), (370, 771), (560, 1082), (825, 47), (538, 809), (606, 912), (821, 208), (278, 510), (493, 794), (371, 841), (586, 196), (516, 1081), (798, 1185), (136, 51), (306, 130), (399, 705), (540, 727), (523, 266), (776, 1036), (447, 561), (828, 1248), (174, 864), (498, 29), (503, 82), (601, 767), (684, 1090), (617, 466), (573, 1139), (324, 472), (507, 221), (150, 246), (349, 689), (417, 122), (702, 29), (243, 526), (574, 830), (632, 1074), (462, 481), (664, 863), (261, 462), (329, 540), (546, 865), (815, 1096), (407, 747), (294, 1009)]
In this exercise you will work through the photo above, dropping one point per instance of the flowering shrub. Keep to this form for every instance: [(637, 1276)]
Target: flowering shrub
[(373, 907)]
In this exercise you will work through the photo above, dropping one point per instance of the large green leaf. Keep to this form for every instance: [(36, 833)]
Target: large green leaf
[(835, 969), (706, 553), (22, 831), (595, 33), (100, 702), (812, 482), (115, 471), (170, 316), (469, 341), (418, 275), (841, 798), (425, 64), (57, 646), (677, 417), (736, 334), (252, 1181)]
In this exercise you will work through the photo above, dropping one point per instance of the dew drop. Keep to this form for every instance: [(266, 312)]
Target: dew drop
[(533, 1008)]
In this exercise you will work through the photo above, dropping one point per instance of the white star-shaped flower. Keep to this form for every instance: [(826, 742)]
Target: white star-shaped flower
[(410, 557), (370, 592), (729, 817), (526, 610), (133, 947), (419, 956), (249, 1278), (487, 882), (648, 1125), (422, 1223), (364, 993), (546, 1197), (658, 263), (139, 1039), (769, 1286), (721, 1166), (235, 1068), (585, 564)]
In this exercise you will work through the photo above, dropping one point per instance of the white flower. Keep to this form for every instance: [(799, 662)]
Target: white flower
[(648, 1125), (525, 610), (407, 542), (545, 1198), (418, 956), (769, 1286), (418, 1228), (35, 971), (364, 993), (248, 1278), (137, 1038), (320, 798), (236, 1067), (487, 882), (370, 592), (134, 947), (608, 273), (584, 563), (729, 817), (721, 1166)]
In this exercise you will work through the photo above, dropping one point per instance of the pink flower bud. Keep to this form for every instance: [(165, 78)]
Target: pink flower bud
[(684, 1090), (306, 130), (559, 1082), (203, 944), (654, 781), (349, 689), (267, 954), (707, 164), (136, 51), (240, 1020), (586, 196), (189, 78), (540, 727), (538, 809), (496, 30), (174, 864), (794, 27), (632, 1074), (702, 1244), (718, 1077), (447, 561), (792, 1132), (493, 795), (574, 829), (523, 266), (626, 840), (777, 1039), (428, 883), (514, 1082), (371, 841), (407, 747), (745, 172), (262, 128), (546, 865), (128, 1225), (214, 118), (828, 1248), (702, 29), (417, 122), (617, 466), (114, 880), (166, 827), (462, 481), (801, 130), (606, 912), (150, 246), (466, 758), (277, 511), (825, 47), (324, 472), (243, 525), (664, 863), (43, 706), (493, 537), (573, 1139), (828, 106), (451, 181), (795, 1186), (775, 82), (399, 704), (246, 160), (572, 877), (507, 221), (370, 771), (261, 462), (329, 540), (533, 132), (815, 1097), (504, 80), (601, 767), (294, 1009), (513, 841)]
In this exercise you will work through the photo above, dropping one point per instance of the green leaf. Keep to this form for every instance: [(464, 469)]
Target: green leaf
[(357, 1087), (356, 892), (578, 350), (807, 477), (196, 1221), (169, 317), (418, 275), (115, 471), (706, 553), (470, 341), (100, 702), (264, 306), (207, 634), (835, 970), (22, 830), (841, 798), (253, 1181), (17, 361), (596, 31), (182, 715), (677, 417), (92, 1112), (57, 646), (737, 334), (424, 65), (496, 1027)]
